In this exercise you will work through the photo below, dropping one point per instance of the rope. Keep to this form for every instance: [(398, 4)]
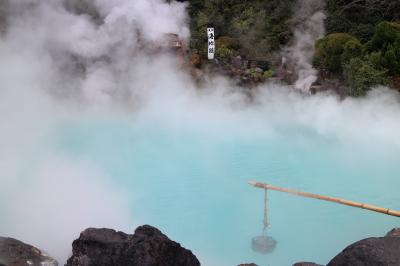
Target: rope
[(265, 221)]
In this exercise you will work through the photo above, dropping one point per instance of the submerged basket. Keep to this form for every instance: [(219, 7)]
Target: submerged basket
[(263, 244)]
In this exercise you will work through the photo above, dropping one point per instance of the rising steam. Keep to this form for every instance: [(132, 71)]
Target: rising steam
[(309, 26), (59, 58), (76, 61)]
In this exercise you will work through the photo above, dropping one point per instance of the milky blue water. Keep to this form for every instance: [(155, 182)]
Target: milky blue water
[(192, 184)]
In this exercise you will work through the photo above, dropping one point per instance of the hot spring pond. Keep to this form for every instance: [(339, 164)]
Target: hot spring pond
[(192, 184)]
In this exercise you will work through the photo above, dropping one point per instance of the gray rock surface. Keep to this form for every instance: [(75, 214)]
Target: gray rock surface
[(16, 253), (306, 264), (146, 247), (374, 251), (395, 232)]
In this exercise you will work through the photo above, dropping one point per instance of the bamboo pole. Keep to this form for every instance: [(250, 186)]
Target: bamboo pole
[(326, 198)]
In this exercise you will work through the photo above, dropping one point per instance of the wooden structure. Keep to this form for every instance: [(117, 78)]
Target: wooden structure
[(326, 198)]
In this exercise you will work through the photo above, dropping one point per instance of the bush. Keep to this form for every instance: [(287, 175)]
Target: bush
[(386, 33), (363, 32), (223, 52), (362, 66), (351, 49), (391, 60), (362, 75), (386, 42), (254, 74), (329, 51), (267, 74), (360, 17), (228, 42)]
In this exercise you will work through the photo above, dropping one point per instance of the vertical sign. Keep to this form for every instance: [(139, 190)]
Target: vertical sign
[(211, 43)]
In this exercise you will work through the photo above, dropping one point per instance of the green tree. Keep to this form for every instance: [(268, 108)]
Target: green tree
[(386, 42), (329, 51), (386, 33), (359, 17), (351, 49), (362, 75), (261, 27)]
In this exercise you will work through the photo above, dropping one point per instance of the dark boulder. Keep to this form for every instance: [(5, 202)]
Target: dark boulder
[(374, 251), (394, 233), (146, 247), (16, 253), (306, 264)]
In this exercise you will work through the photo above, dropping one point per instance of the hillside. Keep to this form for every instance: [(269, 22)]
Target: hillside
[(361, 49)]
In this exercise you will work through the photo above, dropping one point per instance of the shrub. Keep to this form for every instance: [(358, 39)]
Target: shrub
[(329, 51), (386, 42), (386, 33), (362, 75), (351, 49), (223, 52), (363, 32), (267, 74), (228, 42), (360, 17), (391, 60)]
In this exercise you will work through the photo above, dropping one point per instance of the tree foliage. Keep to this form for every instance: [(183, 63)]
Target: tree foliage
[(362, 47), (362, 65), (386, 43), (329, 51), (362, 75), (359, 17), (258, 26)]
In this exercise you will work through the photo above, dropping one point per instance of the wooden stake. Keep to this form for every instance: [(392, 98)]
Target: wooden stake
[(326, 198)]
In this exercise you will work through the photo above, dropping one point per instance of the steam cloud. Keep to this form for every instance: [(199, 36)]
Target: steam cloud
[(309, 20), (87, 59), (57, 60)]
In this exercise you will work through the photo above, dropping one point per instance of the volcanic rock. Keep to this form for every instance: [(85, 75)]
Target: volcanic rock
[(374, 251), (146, 247), (394, 233), (306, 264), (16, 253)]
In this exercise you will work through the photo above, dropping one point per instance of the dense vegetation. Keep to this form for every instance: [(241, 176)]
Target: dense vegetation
[(251, 28), (359, 17), (363, 44), (361, 49)]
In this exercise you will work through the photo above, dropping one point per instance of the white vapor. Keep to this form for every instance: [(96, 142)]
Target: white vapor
[(309, 20), (60, 66), (56, 63)]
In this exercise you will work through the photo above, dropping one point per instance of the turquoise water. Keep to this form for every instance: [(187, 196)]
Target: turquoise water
[(134, 141), (191, 182)]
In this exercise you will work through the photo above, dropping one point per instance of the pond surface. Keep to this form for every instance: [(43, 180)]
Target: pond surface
[(190, 180)]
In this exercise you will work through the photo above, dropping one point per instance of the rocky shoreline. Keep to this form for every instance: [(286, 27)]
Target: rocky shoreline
[(148, 246)]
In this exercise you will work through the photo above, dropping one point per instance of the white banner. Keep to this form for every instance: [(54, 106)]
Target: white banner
[(211, 43)]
